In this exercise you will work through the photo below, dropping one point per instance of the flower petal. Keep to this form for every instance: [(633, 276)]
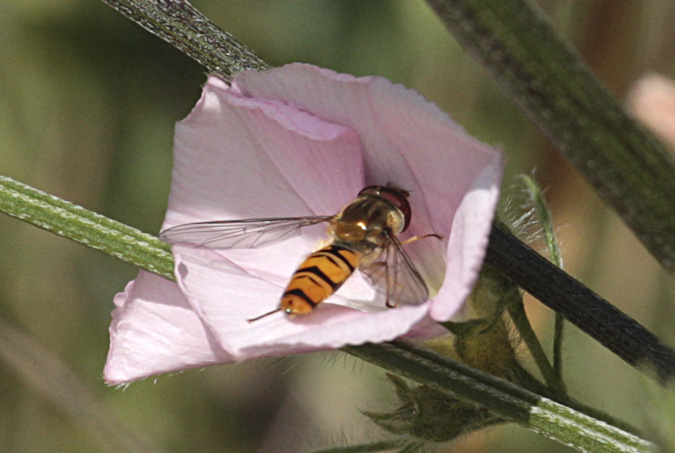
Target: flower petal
[(237, 158), (154, 330), (468, 242), (206, 279)]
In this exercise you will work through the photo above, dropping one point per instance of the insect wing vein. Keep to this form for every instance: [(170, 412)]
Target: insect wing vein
[(394, 274), (249, 233)]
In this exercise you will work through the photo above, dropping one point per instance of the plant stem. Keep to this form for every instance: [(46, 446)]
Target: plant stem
[(385, 445), (180, 24), (578, 304), (545, 220), (88, 228), (542, 73), (515, 404), (526, 333)]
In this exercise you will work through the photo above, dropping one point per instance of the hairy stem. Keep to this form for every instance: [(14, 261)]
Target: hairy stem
[(88, 228), (515, 404), (182, 25), (544, 218)]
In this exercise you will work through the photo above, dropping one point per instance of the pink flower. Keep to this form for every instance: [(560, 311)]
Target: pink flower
[(297, 141)]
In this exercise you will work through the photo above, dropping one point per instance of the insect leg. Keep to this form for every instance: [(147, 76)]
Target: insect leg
[(417, 238)]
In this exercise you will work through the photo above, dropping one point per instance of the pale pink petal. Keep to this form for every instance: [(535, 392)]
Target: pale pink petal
[(237, 158), (206, 278), (652, 99), (468, 241), (154, 330)]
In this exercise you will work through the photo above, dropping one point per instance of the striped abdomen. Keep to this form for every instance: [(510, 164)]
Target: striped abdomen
[(318, 277)]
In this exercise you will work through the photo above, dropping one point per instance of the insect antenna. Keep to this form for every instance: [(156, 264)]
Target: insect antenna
[(263, 315)]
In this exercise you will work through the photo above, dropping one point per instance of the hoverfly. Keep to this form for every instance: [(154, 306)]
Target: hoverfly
[(363, 236)]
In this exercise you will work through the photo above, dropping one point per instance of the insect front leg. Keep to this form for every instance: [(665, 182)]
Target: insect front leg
[(417, 238)]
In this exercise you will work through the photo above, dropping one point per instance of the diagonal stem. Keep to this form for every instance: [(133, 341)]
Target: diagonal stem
[(542, 73), (182, 25), (526, 333), (515, 404), (582, 307), (86, 227)]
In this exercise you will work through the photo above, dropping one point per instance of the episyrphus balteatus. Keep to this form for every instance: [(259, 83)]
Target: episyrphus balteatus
[(363, 236)]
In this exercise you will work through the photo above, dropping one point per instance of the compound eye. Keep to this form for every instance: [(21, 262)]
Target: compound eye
[(370, 190), (397, 197)]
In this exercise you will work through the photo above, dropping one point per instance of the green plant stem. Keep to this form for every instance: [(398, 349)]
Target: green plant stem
[(526, 333), (543, 74), (88, 228), (582, 307), (545, 220), (423, 366), (385, 445), (182, 25), (558, 335), (515, 404), (526, 380)]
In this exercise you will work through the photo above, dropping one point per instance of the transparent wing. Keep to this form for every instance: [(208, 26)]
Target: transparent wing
[(394, 274), (249, 233)]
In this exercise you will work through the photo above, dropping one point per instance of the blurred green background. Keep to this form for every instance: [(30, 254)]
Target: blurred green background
[(88, 102)]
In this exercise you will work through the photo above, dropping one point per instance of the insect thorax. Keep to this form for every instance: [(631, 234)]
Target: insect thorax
[(368, 218)]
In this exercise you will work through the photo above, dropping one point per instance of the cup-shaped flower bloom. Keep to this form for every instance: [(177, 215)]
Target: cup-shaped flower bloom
[(291, 142)]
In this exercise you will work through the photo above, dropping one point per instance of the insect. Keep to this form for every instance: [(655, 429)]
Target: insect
[(363, 236)]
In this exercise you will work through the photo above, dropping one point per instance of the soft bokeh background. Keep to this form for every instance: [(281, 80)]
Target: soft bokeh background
[(88, 102)]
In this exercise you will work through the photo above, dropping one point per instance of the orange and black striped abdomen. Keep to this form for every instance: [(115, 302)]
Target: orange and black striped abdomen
[(318, 277)]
